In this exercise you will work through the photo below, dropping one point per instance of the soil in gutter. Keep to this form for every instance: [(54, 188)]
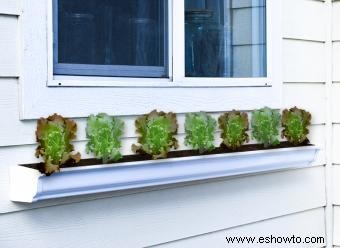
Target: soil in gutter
[(173, 154)]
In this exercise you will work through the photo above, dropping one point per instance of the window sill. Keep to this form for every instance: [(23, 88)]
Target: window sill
[(28, 185), (206, 82)]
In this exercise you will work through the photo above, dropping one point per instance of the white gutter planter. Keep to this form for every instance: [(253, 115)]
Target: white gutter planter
[(29, 185)]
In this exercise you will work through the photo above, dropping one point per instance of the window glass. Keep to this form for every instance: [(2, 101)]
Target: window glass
[(111, 37), (225, 38)]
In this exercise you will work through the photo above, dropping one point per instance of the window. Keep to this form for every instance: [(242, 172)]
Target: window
[(128, 38), (75, 77), (225, 38), (110, 38)]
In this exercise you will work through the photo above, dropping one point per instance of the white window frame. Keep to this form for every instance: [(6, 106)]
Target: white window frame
[(42, 93)]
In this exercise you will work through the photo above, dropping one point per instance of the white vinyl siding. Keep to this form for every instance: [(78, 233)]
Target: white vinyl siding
[(336, 122), (294, 224), (201, 211)]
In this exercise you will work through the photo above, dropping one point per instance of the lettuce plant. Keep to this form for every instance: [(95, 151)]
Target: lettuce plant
[(234, 126), (104, 133), (295, 123), (200, 129), (54, 135), (156, 130), (265, 125)]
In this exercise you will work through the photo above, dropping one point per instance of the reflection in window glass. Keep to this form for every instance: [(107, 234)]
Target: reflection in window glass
[(225, 38)]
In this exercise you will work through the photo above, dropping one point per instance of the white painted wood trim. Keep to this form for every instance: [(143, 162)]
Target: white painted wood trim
[(92, 81), (37, 99), (336, 226), (28, 185), (10, 7), (335, 190), (178, 43)]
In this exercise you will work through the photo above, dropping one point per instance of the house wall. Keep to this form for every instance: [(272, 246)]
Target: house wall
[(336, 121), (187, 215)]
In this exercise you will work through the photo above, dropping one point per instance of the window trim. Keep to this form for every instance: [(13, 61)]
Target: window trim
[(42, 95)]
